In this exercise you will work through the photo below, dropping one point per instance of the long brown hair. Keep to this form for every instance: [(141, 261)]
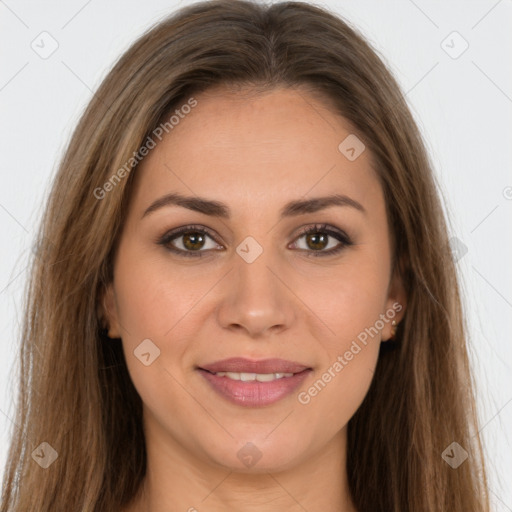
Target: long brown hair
[(75, 392)]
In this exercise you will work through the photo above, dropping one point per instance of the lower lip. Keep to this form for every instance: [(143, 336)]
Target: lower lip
[(254, 393)]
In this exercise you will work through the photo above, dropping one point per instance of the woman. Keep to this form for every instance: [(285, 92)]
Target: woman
[(244, 296)]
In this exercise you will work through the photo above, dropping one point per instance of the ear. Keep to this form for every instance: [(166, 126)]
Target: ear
[(107, 312), (396, 301)]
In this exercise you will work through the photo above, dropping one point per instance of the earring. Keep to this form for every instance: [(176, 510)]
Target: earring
[(393, 329)]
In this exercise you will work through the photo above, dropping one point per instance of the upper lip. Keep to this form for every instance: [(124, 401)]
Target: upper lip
[(243, 365)]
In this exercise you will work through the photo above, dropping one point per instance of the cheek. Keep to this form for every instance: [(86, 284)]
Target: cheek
[(156, 305), (352, 307), (153, 297), (337, 391), (350, 301)]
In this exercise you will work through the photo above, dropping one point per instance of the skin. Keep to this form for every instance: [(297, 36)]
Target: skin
[(254, 153)]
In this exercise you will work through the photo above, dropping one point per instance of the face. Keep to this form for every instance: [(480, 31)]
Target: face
[(243, 279)]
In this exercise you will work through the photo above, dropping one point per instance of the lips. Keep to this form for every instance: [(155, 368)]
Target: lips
[(264, 366), (250, 383)]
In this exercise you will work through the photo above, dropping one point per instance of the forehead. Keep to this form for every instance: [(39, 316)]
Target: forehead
[(244, 149)]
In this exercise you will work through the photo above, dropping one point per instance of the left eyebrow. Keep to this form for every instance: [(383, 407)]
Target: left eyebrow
[(221, 210), (316, 204)]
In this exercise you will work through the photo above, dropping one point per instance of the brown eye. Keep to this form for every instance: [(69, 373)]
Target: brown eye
[(318, 238), (317, 241), (193, 240), (189, 241)]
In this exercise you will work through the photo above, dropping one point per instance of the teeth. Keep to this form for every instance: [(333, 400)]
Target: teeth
[(248, 377)]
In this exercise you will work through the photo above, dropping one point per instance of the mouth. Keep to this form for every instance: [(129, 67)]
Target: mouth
[(250, 377), (254, 383)]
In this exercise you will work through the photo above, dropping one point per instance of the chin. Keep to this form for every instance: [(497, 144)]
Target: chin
[(260, 456)]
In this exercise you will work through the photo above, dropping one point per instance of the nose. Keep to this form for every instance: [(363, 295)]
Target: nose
[(255, 299)]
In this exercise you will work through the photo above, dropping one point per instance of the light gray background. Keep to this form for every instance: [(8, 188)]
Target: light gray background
[(463, 106)]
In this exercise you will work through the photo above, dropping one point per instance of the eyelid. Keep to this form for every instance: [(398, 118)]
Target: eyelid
[(323, 227)]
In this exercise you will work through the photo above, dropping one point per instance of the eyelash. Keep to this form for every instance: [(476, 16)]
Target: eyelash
[(342, 237)]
